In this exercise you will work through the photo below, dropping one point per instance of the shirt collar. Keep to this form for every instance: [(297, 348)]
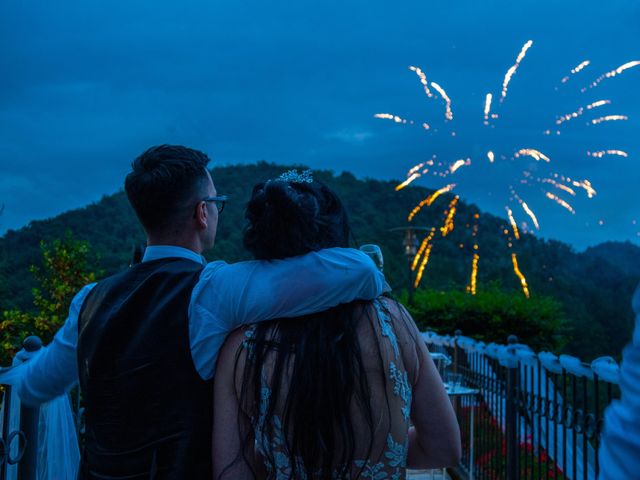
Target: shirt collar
[(156, 252)]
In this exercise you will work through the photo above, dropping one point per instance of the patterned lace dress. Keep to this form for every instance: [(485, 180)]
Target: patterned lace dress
[(389, 354)]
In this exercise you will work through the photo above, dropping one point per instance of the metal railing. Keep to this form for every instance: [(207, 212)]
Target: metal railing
[(536, 415), (19, 443)]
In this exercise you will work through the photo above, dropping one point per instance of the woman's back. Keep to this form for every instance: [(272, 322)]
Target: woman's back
[(379, 420), (327, 395)]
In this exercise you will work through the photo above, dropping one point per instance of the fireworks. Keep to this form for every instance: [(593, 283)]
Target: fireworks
[(423, 80), (429, 200), (602, 153), (612, 73), (581, 110), (448, 222), (487, 108), (512, 221), (448, 114), (459, 163), (421, 250), (514, 67), (608, 118), (474, 274), (577, 69), (532, 176), (516, 270), (560, 202), (533, 153), (390, 116)]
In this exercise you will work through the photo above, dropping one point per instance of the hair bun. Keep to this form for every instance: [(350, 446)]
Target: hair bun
[(281, 196)]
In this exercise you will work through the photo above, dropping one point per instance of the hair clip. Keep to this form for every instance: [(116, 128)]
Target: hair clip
[(293, 176)]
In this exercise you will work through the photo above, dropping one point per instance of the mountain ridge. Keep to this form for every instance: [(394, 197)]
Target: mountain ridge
[(595, 286)]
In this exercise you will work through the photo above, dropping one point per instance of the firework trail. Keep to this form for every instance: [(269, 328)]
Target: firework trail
[(459, 163), (448, 114), (421, 250), (523, 280), (602, 153), (514, 67), (581, 110), (430, 199), (423, 265), (447, 228), (559, 186), (527, 210), (612, 73), (390, 116), (575, 70), (423, 80), (487, 108), (533, 153), (560, 202), (512, 221), (608, 118), (474, 274)]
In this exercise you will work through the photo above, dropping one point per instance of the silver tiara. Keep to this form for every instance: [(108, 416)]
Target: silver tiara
[(293, 176)]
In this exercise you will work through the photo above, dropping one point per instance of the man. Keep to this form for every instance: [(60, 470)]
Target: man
[(143, 343), (620, 444)]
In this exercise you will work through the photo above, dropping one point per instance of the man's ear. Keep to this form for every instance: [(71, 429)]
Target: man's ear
[(201, 215)]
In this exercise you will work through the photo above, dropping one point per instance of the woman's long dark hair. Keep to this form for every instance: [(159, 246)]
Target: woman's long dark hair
[(318, 355)]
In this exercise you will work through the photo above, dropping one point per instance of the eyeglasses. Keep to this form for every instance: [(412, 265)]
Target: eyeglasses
[(220, 201)]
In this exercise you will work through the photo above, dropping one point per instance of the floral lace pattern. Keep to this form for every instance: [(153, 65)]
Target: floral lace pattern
[(394, 459)]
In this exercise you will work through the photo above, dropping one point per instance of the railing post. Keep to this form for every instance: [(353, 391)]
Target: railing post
[(29, 419), (511, 411)]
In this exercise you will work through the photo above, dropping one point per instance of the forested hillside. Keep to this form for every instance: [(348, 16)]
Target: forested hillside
[(594, 287)]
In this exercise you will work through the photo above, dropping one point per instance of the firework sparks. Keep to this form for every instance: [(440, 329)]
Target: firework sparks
[(586, 186), (597, 104), (390, 116), (612, 73), (474, 274), (448, 114), (527, 210), (459, 163), (423, 264), (559, 186), (447, 228), (533, 153), (602, 153), (577, 69), (523, 280), (421, 250), (413, 177), (560, 202), (423, 80), (581, 110), (513, 68), (487, 108), (430, 199), (512, 221), (608, 118)]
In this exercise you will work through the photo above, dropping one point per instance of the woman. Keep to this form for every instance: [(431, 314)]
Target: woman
[(329, 395)]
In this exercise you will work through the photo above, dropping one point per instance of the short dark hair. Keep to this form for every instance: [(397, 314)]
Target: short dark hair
[(163, 182)]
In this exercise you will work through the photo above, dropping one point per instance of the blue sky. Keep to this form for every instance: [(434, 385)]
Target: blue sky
[(86, 86)]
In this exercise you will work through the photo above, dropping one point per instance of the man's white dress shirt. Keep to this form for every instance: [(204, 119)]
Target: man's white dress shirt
[(225, 297)]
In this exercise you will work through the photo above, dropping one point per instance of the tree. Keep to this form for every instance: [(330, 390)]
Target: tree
[(66, 268), (491, 316)]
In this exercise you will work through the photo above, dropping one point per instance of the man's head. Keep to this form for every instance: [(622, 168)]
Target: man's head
[(166, 188)]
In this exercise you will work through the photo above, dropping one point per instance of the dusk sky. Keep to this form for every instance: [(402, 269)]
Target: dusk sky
[(86, 86)]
